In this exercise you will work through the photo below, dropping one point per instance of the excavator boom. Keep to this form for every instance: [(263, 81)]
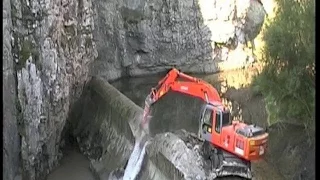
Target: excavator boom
[(186, 84)]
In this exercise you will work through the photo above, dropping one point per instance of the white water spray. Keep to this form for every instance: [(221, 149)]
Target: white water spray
[(136, 158), (135, 161)]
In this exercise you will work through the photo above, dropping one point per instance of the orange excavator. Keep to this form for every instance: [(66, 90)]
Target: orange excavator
[(235, 144)]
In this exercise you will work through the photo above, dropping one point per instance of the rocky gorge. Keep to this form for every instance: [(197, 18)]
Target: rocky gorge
[(52, 48)]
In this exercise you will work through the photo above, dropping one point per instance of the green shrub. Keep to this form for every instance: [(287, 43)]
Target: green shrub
[(288, 79)]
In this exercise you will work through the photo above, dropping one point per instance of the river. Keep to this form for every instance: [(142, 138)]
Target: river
[(74, 166)]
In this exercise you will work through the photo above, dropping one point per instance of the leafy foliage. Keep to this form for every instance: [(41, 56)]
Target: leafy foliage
[(288, 79)]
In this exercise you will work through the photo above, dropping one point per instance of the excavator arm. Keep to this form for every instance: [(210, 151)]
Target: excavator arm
[(183, 83), (187, 85)]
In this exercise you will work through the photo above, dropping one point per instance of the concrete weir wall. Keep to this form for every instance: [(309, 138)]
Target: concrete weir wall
[(104, 122), (101, 125)]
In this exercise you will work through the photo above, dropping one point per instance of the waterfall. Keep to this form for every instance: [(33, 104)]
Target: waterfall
[(135, 161)]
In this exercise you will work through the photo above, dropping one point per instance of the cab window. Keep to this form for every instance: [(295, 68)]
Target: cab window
[(225, 118), (207, 120), (208, 117), (218, 121)]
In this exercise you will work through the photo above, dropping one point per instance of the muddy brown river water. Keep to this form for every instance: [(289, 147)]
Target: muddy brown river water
[(74, 166)]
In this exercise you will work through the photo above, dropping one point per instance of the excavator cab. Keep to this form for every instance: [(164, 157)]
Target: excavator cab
[(212, 119), (216, 126)]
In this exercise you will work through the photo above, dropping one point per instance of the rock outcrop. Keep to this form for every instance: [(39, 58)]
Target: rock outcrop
[(52, 50), (147, 36), (11, 140)]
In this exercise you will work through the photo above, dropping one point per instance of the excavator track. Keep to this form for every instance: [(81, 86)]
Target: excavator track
[(225, 164)]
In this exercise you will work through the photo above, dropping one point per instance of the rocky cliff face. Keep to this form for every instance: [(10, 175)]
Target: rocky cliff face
[(136, 37), (11, 141), (51, 47)]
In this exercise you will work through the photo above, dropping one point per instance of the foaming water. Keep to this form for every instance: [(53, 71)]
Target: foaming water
[(135, 161)]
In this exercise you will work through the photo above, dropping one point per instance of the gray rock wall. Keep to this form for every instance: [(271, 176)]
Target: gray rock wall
[(11, 140), (137, 37), (52, 48)]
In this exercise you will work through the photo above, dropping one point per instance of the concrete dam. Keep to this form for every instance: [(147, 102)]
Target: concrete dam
[(105, 123)]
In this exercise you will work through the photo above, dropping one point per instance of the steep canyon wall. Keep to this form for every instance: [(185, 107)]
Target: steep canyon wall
[(138, 37), (51, 48), (11, 140)]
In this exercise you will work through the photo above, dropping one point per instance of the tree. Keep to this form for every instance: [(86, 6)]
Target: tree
[(288, 79)]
